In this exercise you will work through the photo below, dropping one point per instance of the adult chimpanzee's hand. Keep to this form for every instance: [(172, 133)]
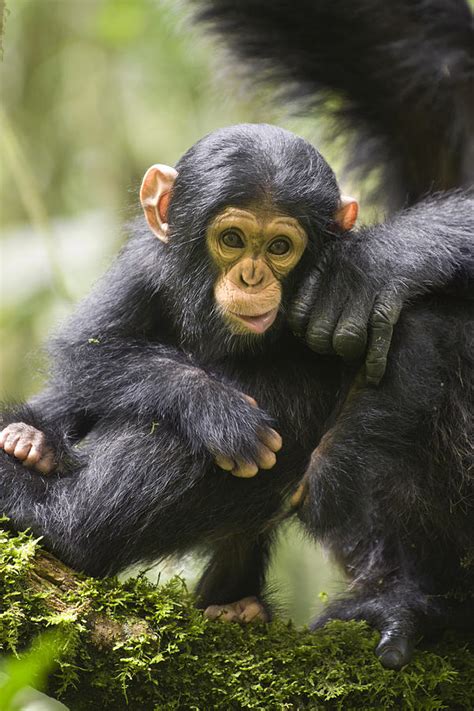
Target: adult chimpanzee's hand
[(347, 310), (352, 300)]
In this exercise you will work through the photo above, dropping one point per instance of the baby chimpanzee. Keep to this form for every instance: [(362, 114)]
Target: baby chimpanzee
[(180, 368)]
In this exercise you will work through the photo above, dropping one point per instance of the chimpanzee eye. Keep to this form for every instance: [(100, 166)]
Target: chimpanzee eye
[(232, 239), (280, 245)]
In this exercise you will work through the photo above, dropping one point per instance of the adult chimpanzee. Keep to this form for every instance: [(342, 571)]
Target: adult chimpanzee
[(396, 76), (157, 371)]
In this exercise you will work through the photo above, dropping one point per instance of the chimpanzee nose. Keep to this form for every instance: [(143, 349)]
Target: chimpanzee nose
[(252, 273)]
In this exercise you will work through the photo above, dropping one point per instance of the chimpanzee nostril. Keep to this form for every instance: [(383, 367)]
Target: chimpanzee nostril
[(251, 280)]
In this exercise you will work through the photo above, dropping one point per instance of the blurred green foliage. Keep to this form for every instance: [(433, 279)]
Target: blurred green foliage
[(93, 92), (21, 678)]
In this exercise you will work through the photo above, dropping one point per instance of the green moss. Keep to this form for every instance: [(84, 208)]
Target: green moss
[(135, 646)]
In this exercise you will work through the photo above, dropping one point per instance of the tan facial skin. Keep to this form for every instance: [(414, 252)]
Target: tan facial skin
[(254, 249)]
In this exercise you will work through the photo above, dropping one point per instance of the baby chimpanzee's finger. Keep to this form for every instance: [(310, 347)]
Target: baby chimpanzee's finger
[(11, 442), (265, 458), (244, 469), (271, 439), (250, 400), (22, 448), (3, 436), (34, 455), (224, 463), (46, 464)]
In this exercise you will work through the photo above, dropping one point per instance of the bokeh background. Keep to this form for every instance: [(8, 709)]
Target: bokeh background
[(93, 92)]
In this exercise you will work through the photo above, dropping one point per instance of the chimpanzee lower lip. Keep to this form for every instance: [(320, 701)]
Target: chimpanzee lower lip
[(260, 323)]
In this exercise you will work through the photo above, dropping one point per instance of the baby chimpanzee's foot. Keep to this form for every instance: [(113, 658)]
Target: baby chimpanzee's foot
[(249, 609), (397, 620), (28, 444)]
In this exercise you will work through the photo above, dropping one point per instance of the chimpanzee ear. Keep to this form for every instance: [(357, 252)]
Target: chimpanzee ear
[(155, 195), (347, 213)]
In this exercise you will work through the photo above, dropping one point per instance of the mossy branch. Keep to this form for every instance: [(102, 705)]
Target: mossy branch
[(136, 646)]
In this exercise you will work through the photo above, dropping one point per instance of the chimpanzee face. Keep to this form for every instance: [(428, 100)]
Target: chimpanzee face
[(254, 249), (244, 204)]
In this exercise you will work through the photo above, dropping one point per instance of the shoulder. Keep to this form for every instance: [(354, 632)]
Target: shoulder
[(139, 264)]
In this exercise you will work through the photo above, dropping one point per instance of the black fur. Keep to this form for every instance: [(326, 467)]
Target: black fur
[(397, 74), (148, 378), (391, 487)]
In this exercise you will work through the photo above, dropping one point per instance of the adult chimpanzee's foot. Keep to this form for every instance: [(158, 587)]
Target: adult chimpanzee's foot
[(249, 609), (396, 617)]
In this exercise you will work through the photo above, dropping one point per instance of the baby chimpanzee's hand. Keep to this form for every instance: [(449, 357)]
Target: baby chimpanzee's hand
[(229, 424), (27, 444), (264, 458)]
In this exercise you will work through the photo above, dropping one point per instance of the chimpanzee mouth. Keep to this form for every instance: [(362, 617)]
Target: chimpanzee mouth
[(260, 323)]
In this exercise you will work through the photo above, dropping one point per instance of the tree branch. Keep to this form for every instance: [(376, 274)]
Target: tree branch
[(133, 645)]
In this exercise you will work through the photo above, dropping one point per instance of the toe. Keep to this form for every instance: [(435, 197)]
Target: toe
[(222, 613), (213, 612), (394, 651), (10, 443), (253, 612), (22, 449)]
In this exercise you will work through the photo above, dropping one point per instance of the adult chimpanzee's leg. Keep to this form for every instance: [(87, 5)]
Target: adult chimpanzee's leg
[(231, 586), (129, 500), (387, 487), (400, 452), (397, 612), (399, 594)]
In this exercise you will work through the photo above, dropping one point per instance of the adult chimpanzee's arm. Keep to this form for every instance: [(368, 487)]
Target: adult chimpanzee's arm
[(108, 360), (362, 283)]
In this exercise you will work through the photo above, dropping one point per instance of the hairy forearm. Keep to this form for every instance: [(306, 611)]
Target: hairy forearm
[(110, 375), (351, 301), (141, 380), (428, 247)]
